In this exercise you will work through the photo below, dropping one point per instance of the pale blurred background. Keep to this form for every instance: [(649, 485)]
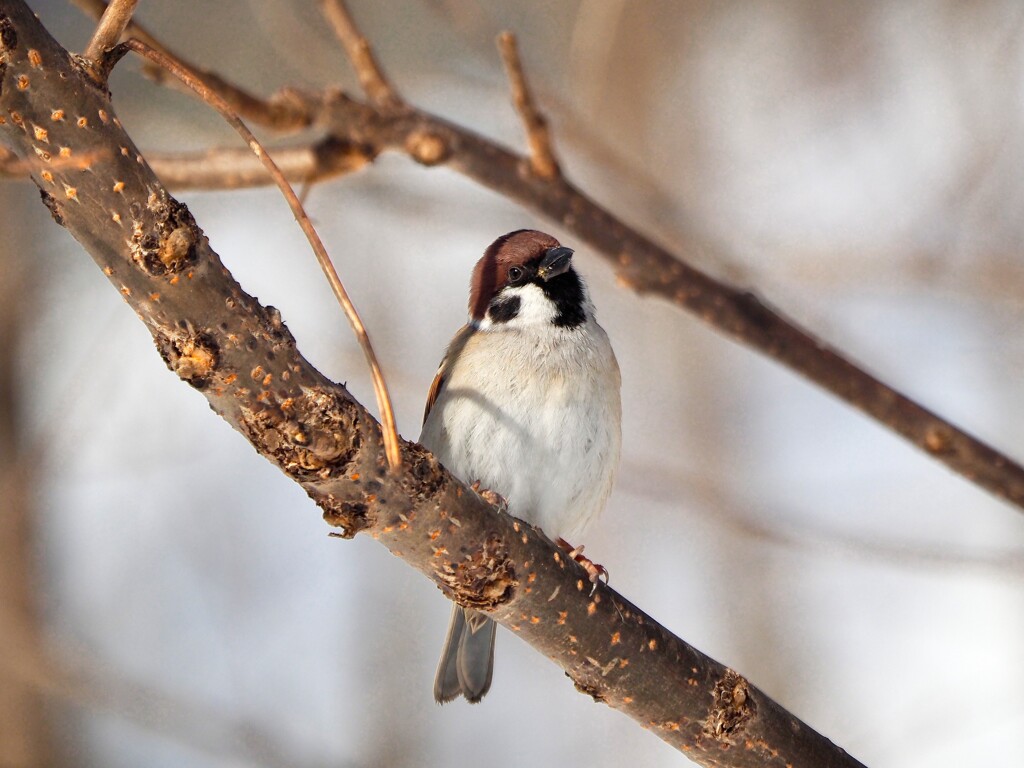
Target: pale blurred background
[(176, 601)]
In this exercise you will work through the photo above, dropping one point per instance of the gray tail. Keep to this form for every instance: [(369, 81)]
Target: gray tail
[(467, 659)]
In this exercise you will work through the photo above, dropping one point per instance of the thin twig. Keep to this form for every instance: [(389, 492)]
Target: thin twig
[(371, 77), (542, 154), (96, 8), (108, 32), (222, 168), (279, 112), (387, 415), (231, 168)]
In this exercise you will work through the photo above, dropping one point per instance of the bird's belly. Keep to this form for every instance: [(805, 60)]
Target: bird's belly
[(552, 460)]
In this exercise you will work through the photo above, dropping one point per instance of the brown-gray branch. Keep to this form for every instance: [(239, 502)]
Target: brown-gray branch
[(647, 268), (241, 357)]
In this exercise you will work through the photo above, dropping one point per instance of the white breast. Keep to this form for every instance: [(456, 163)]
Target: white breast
[(533, 416)]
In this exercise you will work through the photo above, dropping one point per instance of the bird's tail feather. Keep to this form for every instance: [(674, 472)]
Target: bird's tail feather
[(467, 659)]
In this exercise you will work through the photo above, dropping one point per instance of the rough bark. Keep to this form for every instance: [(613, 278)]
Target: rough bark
[(241, 357)]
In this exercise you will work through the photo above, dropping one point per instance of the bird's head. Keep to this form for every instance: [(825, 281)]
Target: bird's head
[(526, 278)]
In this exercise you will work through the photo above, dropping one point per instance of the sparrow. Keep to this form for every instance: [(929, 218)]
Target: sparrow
[(526, 405)]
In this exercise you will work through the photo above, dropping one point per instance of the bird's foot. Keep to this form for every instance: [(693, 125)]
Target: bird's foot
[(594, 570), (490, 496)]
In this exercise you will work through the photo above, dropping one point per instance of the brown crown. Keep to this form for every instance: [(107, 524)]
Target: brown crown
[(491, 272)]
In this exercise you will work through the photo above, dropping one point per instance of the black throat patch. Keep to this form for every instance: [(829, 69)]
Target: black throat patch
[(566, 292)]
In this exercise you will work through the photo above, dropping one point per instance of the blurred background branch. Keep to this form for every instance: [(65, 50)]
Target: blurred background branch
[(25, 734)]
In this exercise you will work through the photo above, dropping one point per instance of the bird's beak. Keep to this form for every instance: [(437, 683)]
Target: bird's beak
[(555, 262)]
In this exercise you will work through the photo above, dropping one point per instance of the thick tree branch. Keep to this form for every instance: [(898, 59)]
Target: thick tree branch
[(242, 358), (387, 414)]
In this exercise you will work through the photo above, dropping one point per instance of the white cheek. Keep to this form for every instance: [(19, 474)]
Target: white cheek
[(534, 309)]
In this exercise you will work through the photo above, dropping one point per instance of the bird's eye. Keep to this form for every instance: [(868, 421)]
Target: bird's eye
[(515, 274)]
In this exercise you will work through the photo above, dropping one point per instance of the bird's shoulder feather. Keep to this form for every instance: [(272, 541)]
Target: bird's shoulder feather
[(452, 353)]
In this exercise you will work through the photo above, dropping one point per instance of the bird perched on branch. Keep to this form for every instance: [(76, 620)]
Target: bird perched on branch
[(525, 403)]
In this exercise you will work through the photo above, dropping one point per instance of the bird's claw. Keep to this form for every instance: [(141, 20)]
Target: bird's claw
[(490, 496), (594, 570)]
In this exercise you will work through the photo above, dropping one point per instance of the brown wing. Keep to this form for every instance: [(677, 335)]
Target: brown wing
[(458, 342), (435, 389)]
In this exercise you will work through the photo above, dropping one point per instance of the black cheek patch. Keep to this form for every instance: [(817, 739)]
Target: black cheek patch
[(503, 310)]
